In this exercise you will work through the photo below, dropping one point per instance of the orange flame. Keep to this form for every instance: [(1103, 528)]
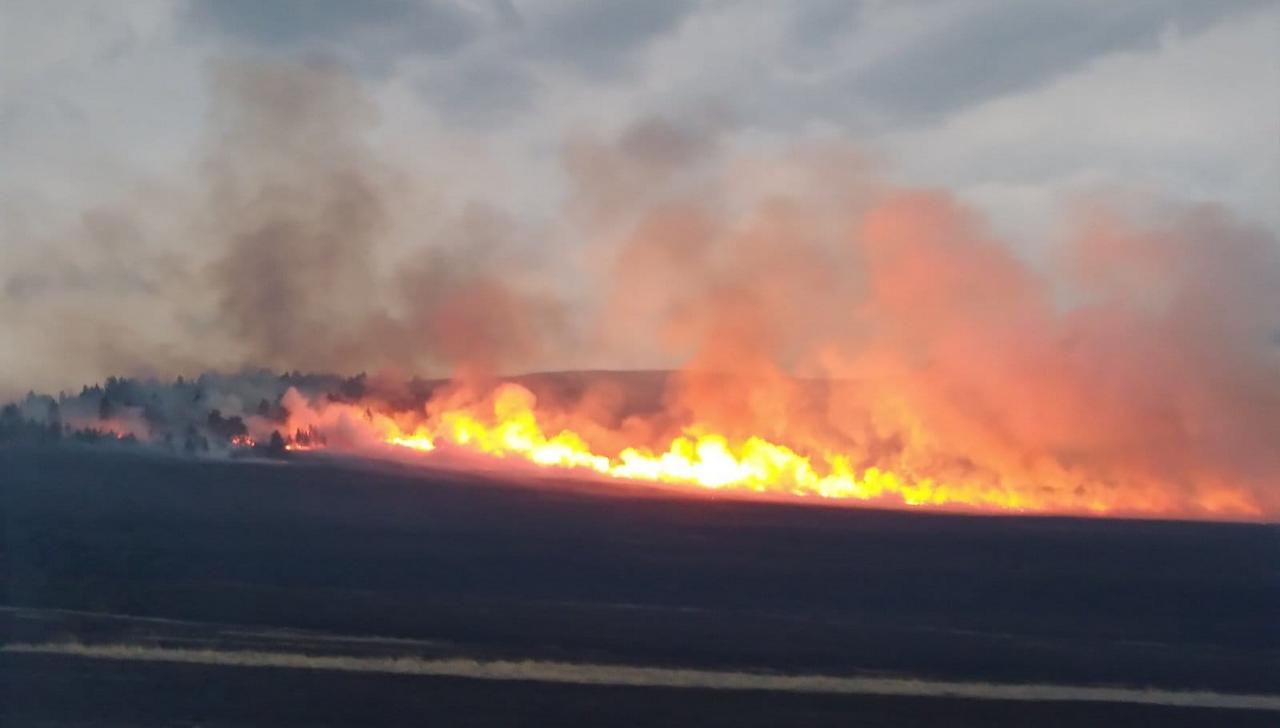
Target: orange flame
[(702, 459)]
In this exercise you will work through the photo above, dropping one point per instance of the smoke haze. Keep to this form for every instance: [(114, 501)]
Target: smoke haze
[(1134, 362)]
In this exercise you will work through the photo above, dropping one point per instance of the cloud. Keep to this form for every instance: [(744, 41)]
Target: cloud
[(994, 50), (598, 38), (371, 35)]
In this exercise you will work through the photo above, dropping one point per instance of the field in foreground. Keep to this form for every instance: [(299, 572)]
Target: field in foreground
[(59, 691), (318, 557)]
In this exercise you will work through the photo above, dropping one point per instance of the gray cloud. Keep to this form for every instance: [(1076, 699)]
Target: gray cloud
[(483, 88), (1006, 48), (597, 38), (370, 34)]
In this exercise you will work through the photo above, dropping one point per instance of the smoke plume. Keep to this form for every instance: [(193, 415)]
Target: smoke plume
[(800, 297)]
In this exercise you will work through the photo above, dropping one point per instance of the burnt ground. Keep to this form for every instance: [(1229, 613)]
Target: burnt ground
[(458, 566)]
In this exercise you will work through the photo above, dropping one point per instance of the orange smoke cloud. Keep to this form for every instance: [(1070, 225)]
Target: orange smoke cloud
[(852, 340), (953, 379)]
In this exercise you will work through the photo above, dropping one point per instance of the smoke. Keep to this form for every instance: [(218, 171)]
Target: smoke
[(302, 209), (1139, 367), (1155, 388), (296, 210), (801, 296), (292, 241)]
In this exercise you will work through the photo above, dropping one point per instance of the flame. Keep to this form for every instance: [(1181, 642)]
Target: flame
[(508, 427), (703, 459), (413, 442), (706, 460)]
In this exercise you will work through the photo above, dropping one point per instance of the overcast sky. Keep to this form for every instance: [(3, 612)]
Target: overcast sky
[(1014, 106)]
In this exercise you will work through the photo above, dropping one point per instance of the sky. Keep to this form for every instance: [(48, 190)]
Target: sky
[(175, 173)]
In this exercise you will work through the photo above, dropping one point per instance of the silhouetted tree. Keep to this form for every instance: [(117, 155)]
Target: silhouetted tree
[(106, 408), (225, 428), (275, 448), (353, 389)]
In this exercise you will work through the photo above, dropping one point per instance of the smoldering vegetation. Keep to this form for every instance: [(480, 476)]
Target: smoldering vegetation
[(1133, 357)]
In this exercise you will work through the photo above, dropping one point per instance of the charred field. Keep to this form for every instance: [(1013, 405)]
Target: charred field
[(321, 556)]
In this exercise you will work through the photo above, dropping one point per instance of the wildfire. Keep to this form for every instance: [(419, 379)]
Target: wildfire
[(508, 425), (703, 459), (708, 461)]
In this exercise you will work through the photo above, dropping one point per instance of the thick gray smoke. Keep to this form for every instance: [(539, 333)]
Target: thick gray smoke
[(301, 210), (290, 243)]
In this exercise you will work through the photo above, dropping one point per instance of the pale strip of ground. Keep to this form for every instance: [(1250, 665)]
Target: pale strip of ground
[(664, 677)]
